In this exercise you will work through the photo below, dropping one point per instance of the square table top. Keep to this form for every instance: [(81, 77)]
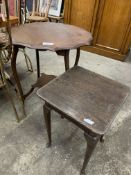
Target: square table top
[(87, 98)]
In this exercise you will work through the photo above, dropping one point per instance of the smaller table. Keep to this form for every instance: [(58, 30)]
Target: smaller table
[(87, 99)]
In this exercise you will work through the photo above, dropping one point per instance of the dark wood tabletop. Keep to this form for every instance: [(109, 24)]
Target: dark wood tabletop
[(41, 36), (81, 94), (56, 36)]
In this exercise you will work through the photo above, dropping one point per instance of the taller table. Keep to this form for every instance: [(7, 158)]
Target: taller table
[(57, 37)]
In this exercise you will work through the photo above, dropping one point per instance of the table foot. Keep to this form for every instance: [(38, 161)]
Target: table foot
[(62, 117), (48, 145), (82, 173), (15, 74), (47, 116), (92, 140)]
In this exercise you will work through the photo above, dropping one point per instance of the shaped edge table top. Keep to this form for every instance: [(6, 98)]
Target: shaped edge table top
[(50, 36)]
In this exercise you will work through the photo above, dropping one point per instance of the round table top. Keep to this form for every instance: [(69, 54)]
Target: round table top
[(50, 36)]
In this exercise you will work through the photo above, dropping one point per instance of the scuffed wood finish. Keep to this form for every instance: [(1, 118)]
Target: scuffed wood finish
[(58, 37), (42, 81), (81, 94), (62, 36), (108, 20)]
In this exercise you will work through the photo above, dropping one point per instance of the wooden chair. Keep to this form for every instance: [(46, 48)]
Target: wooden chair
[(39, 11), (5, 55), (57, 19), (14, 21)]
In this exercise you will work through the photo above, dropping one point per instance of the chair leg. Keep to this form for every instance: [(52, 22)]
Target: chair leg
[(27, 60), (91, 144), (47, 116)]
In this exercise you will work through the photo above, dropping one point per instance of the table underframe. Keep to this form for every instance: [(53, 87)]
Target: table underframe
[(91, 138), (64, 53)]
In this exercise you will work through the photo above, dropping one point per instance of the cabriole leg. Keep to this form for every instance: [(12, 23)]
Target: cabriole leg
[(47, 116), (91, 144)]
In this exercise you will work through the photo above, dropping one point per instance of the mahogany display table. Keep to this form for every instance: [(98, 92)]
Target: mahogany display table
[(57, 37)]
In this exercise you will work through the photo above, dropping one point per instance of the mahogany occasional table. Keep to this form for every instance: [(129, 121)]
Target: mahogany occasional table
[(57, 37), (86, 99)]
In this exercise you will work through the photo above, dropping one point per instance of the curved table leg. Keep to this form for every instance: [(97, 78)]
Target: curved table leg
[(11, 100), (91, 144), (38, 73), (15, 74), (77, 56)]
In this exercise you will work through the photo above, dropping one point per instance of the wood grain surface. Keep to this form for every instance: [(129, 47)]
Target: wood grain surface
[(57, 36)]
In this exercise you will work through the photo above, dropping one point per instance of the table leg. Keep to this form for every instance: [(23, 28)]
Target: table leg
[(66, 60), (4, 81), (91, 144), (15, 74), (77, 56), (38, 73), (64, 53), (38, 63), (47, 116)]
